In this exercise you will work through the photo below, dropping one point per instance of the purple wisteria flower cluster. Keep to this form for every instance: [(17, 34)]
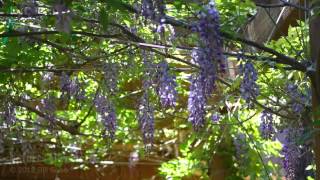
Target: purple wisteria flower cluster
[(296, 157), (240, 144), (207, 73), (72, 87), (106, 110), (161, 10), (146, 119), (209, 29), (215, 118), (150, 69), (298, 100), (148, 9), (166, 88), (267, 129), (145, 109), (47, 77), (209, 57), (196, 103), (249, 89), (153, 9)]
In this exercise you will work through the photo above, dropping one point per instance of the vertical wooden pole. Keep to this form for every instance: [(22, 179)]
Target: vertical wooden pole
[(315, 80)]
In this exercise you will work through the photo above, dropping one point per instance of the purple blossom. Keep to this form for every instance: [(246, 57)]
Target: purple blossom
[(266, 125), (295, 157), (249, 89), (166, 89), (196, 103), (106, 110), (298, 100), (161, 9), (160, 27), (76, 90), (240, 143), (145, 109), (146, 119), (149, 71), (147, 9), (208, 28), (207, 73), (47, 77), (72, 87), (215, 118), (65, 82)]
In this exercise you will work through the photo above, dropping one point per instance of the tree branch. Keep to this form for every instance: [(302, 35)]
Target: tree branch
[(53, 120), (283, 4), (281, 57)]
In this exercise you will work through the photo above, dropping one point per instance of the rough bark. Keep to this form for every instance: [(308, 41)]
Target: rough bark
[(315, 56)]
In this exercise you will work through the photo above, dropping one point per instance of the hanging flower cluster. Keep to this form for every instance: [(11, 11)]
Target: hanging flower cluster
[(296, 157), (145, 109), (209, 29), (215, 118), (209, 57), (146, 119), (249, 89), (267, 129), (161, 9), (298, 101), (207, 74), (71, 86), (196, 103), (240, 144), (47, 77), (106, 110), (166, 88), (147, 9)]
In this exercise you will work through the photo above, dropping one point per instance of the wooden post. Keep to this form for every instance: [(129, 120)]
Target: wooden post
[(315, 79)]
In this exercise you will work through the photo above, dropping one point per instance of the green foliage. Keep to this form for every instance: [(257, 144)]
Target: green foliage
[(108, 36)]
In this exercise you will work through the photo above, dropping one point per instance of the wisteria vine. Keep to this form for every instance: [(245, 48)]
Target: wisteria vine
[(166, 88), (249, 89), (296, 157), (267, 128), (107, 113)]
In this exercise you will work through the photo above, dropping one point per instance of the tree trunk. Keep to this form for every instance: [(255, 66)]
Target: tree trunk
[(315, 81)]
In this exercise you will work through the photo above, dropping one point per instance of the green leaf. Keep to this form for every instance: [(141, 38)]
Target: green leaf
[(104, 18)]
